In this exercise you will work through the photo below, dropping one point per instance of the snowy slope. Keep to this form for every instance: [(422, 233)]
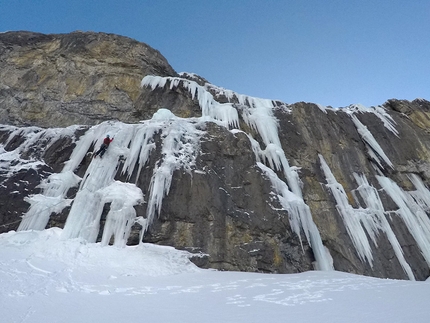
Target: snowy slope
[(46, 279)]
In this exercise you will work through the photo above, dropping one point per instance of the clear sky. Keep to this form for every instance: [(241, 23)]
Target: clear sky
[(331, 52)]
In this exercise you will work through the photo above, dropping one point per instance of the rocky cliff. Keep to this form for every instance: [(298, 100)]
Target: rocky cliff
[(245, 183), (76, 78)]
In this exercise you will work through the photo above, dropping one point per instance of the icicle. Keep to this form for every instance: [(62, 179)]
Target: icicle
[(371, 141), (122, 215), (141, 147), (378, 111), (35, 138), (350, 217), (412, 214), (388, 121), (54, 188), (323, 108), (300, 217), (180, 140), (223, 112), (422, 194), (258, 114), (373, 218), (373, 202)]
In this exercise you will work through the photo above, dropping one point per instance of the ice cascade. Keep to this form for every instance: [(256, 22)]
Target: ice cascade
[(132, 146), (300, 218), (411, 210), (368, 220), (258, 115), (54, 188)]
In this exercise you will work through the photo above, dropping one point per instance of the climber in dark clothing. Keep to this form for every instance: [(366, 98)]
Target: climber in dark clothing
[(103, 147)]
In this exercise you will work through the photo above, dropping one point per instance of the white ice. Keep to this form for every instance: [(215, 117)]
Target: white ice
[(258, 115), (300, 218), (415, 218), (181, 142), (52, 199), (378, 111), (12, 161), (376, 219), (372, 219), (373, 145), (222, 112), (351, 218), (132, 145)]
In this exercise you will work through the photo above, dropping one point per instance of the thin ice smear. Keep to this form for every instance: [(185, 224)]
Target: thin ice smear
[(300, 217), (351, 218), (374, 146), (379, 111), (376, 210), (365, 222), (415, 218)]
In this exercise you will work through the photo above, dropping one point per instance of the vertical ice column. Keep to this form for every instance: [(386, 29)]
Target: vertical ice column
[(122, 215), (51, 200), (118, 224), (300, 217), (84, 217)]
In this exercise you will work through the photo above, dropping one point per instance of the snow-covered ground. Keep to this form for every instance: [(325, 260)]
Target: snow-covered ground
[(44, 278)]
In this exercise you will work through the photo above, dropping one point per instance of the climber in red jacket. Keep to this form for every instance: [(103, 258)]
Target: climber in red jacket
[(103, 147)]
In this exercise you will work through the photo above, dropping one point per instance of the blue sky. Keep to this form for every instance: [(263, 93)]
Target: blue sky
[(331, 52)]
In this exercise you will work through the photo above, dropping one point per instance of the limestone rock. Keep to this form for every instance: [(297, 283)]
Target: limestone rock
[(79, 78)]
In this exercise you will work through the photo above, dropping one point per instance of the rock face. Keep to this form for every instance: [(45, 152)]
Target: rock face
[(361, 174), (76, 78)]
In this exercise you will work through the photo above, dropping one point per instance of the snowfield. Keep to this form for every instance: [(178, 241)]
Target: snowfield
[(48, 279)]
